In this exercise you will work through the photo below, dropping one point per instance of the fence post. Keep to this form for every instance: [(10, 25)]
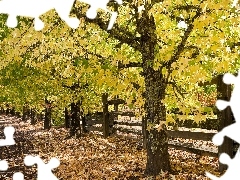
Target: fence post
[(224, 93), (116, 107), (105, 115), (111, 122)]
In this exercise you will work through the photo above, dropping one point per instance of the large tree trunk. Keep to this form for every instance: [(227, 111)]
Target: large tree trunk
[(157, 140), (155, 83)]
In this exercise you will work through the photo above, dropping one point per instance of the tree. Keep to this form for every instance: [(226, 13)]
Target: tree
[(152, 41), (180, 52)]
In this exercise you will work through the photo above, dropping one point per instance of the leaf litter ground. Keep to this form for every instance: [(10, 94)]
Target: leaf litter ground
[(91, 156)]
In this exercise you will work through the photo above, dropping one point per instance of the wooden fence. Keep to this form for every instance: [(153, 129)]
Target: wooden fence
[(95, 123), (108, 123)]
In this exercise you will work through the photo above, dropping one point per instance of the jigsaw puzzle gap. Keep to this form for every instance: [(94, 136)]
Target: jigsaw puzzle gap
[(44, 170), (35, 8), (231, 131), (8, 133)]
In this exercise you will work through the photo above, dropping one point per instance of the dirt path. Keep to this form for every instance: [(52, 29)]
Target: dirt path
[(91, 156)]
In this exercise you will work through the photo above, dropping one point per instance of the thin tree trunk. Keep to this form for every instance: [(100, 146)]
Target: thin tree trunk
[(28, 112), (47, 119), (38, 116), (84, 130), (2, 110), (17, 114), (73, 116), (8, 110), (33, 116), (12, 111), (75, 119), (79, 117), (24, 117), (105, 115)]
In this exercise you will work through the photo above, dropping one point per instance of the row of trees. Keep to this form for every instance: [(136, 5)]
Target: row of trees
[(147, 59)]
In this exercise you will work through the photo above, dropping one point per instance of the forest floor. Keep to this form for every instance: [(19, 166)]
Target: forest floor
[(91, 156)]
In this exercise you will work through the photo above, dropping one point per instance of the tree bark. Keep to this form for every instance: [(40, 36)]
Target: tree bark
[(47, 119), (33, 116), (2, 110), (8, 110), (78, 118), (84, 130), (157, 141), (75, 119), (12, 111), (105, 115), (24, 116), (155, 86)]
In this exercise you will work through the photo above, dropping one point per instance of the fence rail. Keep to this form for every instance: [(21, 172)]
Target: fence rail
[(135, 127), (191, 135)]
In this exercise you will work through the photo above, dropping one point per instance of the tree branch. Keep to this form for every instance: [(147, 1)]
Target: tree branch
[(181, 46), (177, 89), (196, 51), (135, 85), (233, 45), (75, 86), (116, 32), (129, 65)]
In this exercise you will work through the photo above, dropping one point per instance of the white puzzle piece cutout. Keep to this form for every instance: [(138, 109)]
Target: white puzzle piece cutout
[(3, 165), (8, 133), (231, 131), (44, 170), (36, 8), (8, 141), (100, 4), (232, 172), (18, 176)]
